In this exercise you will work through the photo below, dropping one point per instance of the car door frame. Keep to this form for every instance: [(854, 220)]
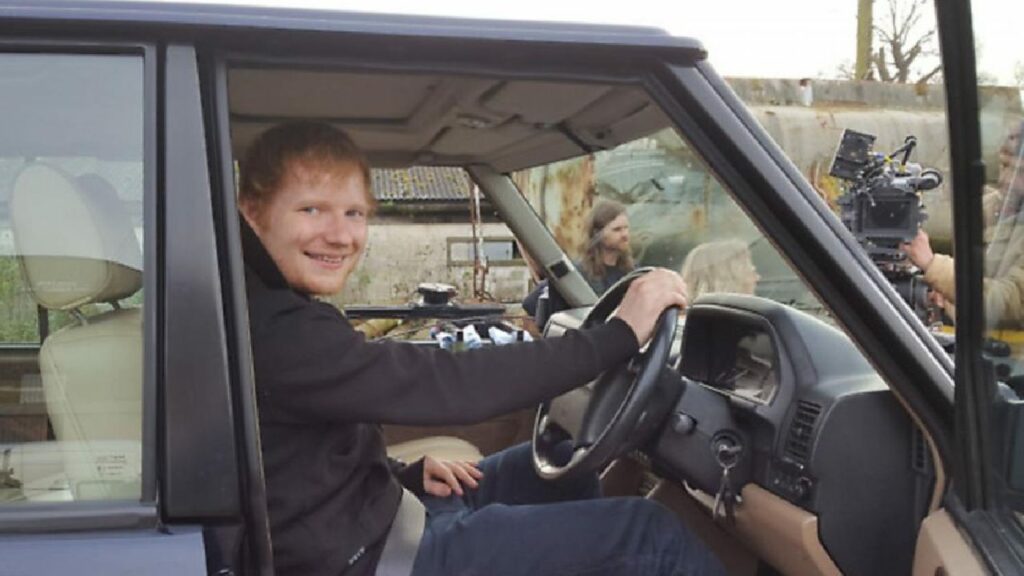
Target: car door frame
[(766, 184), (213, 80), (190, 510), (976, 502), (73, 536), (106, 515)]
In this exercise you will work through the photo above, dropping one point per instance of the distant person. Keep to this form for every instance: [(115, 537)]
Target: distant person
[(606, 259), (606, 255), (1004, 236), (720, 266)]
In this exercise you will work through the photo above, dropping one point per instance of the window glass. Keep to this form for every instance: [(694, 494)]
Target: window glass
[(652, 202), (71, 190), (433, 227), (1000, 68)]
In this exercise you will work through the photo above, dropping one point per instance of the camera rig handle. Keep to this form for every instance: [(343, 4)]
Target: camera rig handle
[(907, 149)]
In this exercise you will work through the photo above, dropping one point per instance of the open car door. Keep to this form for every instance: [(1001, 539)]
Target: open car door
[(985, 502)]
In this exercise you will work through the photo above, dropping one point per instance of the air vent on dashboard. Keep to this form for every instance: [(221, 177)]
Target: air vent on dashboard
[(798, 440)]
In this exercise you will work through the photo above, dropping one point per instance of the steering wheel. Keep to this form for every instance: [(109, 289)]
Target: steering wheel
[(614, 401)]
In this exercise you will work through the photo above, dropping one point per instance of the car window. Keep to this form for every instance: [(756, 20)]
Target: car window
[(71, 189), (653, 202), (433, 229), (425, 231), (1000, 69)]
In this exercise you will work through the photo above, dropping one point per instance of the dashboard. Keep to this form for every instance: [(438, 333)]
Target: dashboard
[(736, 357), (817, 426)]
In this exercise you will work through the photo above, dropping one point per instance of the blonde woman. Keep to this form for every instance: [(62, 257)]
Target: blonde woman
[(720, 266)]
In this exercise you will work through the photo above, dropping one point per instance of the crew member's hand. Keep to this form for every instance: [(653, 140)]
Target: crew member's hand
[(647, 297), (442, 477), (919, 250)]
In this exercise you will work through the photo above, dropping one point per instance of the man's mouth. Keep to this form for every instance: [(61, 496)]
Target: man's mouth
[(329, 260)]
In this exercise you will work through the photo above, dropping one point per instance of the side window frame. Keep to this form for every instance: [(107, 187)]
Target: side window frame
[(980, 500), (778, 199), (213, 66), (112, 514)]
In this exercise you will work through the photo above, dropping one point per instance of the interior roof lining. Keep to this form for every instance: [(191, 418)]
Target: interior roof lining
[(456, 98)]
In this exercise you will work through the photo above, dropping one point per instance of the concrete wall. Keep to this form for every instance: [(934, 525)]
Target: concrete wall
[(399, 256), (804, 125), (810, 135), (808, 129), (806, 120)]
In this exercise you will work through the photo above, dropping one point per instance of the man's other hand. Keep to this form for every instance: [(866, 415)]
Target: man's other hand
[(919, 250), (442, 477), (647, 297)]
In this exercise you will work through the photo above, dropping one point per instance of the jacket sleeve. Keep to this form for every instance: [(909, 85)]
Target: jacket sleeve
[(312, 366), (939, 276), (1003, 295), (410, 476), (1003, 304)]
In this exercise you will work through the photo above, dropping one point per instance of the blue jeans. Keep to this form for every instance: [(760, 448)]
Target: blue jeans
[(517, 524)]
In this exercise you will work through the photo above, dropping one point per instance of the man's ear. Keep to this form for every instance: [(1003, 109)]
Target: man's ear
[(250, 213)]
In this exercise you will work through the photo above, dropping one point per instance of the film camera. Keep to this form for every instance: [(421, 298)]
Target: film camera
[(881, 205)]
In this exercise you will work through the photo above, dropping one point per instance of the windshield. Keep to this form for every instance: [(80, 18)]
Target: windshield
[(676, 213)]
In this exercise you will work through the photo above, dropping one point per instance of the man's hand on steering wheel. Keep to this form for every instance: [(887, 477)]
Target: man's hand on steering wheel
[(647, 297), (601, 417)]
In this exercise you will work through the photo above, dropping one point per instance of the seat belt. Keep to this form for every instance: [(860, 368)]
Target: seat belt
[(403, 540)]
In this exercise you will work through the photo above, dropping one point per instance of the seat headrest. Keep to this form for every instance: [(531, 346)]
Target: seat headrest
[(74, 237)]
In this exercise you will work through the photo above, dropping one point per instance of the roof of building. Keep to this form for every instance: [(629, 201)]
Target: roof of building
[(421, 184)]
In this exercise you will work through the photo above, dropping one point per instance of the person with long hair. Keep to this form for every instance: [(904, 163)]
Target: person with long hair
[(720, 266), (606, 255)]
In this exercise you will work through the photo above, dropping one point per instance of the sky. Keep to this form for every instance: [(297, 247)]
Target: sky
[(753, 38)]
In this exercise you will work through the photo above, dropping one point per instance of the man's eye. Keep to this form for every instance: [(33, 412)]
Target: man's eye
[(312, 210), (356, 214)]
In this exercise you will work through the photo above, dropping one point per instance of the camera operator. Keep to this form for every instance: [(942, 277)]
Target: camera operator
[(1004, 234)]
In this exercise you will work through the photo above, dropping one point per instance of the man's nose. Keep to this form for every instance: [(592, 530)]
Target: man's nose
[(338, 231)]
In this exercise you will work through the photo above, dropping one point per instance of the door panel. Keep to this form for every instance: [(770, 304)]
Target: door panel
[(155, 554), (782, 534), (941, 549), (734, 554)]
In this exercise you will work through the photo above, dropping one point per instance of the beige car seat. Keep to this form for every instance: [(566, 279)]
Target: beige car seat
[(78, 248), (79, 254), (440, 447)]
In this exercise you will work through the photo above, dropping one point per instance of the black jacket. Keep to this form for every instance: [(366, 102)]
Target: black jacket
[(323, 392)]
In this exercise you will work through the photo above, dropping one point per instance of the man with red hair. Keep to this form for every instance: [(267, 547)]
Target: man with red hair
[(323, 391)]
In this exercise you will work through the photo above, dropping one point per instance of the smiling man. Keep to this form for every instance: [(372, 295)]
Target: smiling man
[(332, 493)]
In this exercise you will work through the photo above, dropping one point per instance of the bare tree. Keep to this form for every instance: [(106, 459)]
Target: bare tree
[(907, 43), (865, 27)]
